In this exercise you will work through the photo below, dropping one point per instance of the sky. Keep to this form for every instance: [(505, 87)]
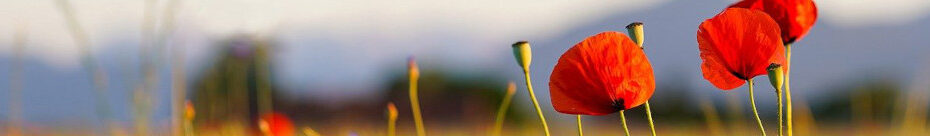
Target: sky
[(329, 46)]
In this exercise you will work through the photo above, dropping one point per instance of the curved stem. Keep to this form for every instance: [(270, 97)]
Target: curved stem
[(578, 120), (788, 109), (649, 116), (623, 118), (752, 100), (415, 106), (501, 113), (529, 87)]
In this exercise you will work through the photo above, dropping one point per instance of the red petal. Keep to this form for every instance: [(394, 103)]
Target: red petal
[(597, 73), (278, 124), (738, 44), (794, 17)]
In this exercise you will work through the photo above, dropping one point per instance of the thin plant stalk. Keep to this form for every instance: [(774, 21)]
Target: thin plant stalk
[(788, 110), (626, 129), (652, 126), (392, 119), (529, 87), (178, 75), (310, 132), (414, 75), (98, 76), (712, 119), (15, 123), (752, 100), (188, 118), (392, 127), (524, 55), (781, 126), (502, 110), (578, 120)]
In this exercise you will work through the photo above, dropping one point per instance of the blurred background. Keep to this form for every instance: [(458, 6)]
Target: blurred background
[(118, 67)]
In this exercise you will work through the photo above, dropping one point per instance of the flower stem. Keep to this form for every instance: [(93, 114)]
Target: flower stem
[(415, 106), (392, 126), (788, 110), (780, 108), (623, 118), (529, 87), (649, 116), (752, 100), (578, 120), (502, 111)]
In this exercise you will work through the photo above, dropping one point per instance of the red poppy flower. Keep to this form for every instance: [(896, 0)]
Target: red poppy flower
[(276, 124), (603, 74), (737, 45), (795, 17)]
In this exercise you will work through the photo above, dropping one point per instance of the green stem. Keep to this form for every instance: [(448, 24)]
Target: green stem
[(392, 127), (578, 120), (501, 113), (529, 87), (623, 118), (415, 106), (649, 116), (788, 120), (780, 108), (752, 100)]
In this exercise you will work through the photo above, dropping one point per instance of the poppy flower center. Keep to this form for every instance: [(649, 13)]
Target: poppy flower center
[(618, 104)]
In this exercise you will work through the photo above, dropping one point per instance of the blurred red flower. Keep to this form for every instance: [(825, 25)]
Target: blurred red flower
[(737, 45), (794, 17), (603, 74), (276, 124)]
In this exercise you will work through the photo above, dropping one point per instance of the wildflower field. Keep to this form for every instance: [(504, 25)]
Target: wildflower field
[(464, 68)]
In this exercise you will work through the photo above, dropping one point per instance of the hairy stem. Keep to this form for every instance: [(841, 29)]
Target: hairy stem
[(649, 116), (752, 100), (529, 87)]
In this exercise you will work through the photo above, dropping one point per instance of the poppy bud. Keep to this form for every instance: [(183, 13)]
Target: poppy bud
[(635, 30), (521, 50), (412, 71), (391, 111), (511, 88), (776, 76), (189, 112)]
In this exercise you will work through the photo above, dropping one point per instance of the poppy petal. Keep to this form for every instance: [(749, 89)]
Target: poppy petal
[(738, 44), (601, 75), (794, 17)]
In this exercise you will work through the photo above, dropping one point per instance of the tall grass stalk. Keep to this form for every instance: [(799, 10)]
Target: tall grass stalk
[(713, 122), (15, 118), (89, 62)]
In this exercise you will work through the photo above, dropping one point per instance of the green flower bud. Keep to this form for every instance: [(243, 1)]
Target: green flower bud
[(521, 50), (391, 111), (413, 72), (635, 30), (776, 75)]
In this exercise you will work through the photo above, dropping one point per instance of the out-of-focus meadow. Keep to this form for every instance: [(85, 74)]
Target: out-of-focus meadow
[(116, 67)]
